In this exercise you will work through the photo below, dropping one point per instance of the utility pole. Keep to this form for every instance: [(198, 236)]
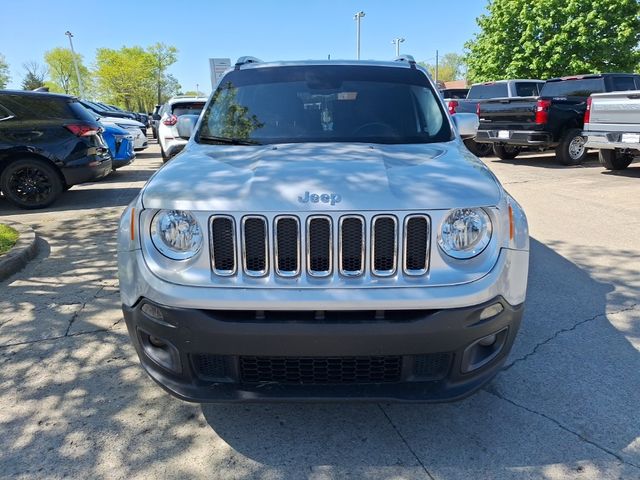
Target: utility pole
[(397, 42), (357, 18), (75, 63), (197, 89), (437, 66)]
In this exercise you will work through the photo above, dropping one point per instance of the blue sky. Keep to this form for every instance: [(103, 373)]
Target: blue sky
[(270, 30)]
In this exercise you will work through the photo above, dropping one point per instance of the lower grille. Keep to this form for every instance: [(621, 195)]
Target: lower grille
[(210, 367), (321, 370), (432, 366)]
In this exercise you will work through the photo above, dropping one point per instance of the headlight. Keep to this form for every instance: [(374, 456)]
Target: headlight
[(176, 234), (465, 232)]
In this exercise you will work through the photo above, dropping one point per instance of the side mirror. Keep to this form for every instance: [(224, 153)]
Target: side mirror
[(186, 124), (467, 124), (155, 116)]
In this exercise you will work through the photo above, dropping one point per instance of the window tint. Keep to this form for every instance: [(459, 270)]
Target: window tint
[(489, 90), (573, 88), (37, 107), (326, 104), (621, 84), (193, 108), (528, 89)]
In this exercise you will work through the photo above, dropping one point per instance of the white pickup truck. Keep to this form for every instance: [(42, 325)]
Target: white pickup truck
[(612, 124)]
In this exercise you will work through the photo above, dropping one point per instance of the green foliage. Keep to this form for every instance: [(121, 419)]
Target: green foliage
[(163, 57), (8, 238), (129, 76), (62, 72), (34, 78), (451, 66), (4, 72), (550, 38)]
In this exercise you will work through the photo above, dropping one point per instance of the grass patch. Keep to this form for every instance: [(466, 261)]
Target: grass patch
[(8, 238)]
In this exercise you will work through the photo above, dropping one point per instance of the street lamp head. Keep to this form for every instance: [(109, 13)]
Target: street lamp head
[(68, 33), (401, 40), (360, 14)]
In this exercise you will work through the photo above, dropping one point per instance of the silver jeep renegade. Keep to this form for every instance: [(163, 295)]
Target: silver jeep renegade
[(324, 235)]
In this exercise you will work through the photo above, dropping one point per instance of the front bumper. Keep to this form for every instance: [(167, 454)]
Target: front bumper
[(441, 339), (515, 137)]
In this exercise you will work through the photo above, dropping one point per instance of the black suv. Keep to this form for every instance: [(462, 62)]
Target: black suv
[(48, 142)]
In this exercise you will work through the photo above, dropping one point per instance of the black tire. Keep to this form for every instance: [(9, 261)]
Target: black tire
[(31, 183), (478, 149), (506, 152), (571, 150), (614, 160)]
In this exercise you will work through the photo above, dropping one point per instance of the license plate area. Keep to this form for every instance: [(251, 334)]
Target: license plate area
[(630, 138), (504, 134)]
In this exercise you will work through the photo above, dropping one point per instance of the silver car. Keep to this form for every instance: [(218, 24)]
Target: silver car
[(324, 235)]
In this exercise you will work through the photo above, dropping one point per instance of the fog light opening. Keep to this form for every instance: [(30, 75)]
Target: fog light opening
[(483, 350), (157, 342), (487, 341), (160, 351)]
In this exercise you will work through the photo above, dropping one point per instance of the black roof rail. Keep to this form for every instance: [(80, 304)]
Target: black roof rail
[(406, 58), (246, 60)]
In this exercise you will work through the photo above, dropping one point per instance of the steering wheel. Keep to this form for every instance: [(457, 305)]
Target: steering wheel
[(376, 127)]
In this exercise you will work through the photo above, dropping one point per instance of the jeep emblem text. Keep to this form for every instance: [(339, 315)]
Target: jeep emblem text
[(331, 198)]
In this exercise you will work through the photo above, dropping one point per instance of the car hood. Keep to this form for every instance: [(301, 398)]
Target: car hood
[(120, 121), (343, 176)]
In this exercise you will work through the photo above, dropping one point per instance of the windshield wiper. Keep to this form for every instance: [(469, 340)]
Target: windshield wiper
[(227, 140)]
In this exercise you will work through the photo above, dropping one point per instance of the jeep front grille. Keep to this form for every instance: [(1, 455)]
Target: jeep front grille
[(382, 245), (255, 245)]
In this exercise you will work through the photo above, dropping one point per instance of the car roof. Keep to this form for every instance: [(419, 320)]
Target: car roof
[(510, 80), (354, 63), (28, 93), (592, 75), (175, 100)]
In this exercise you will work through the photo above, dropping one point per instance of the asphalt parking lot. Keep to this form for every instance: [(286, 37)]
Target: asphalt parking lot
[(75, 403)]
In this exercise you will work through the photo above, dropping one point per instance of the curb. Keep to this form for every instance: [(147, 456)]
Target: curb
[(20, 254)]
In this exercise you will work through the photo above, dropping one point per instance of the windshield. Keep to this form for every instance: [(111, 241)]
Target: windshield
[(192, 108), (326, 103)]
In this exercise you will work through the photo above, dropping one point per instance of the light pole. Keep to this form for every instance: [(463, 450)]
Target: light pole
[(397, 42), (197, 89), (75, 63), (357, 18)]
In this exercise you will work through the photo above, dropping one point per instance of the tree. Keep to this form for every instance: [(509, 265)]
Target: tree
[(451, 66), (129, 77), (62, 71), (34, 78), (550, 38), (4, 72), (163, 57)]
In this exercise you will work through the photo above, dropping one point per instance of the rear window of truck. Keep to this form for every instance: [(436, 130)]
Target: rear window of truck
[(488, 90), (528, 89), (582, 87)]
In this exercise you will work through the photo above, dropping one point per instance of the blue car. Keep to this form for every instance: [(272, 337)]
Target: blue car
[(120, 144)]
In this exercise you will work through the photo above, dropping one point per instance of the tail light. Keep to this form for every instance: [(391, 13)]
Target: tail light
[(170, 120), (542, 111), (478, 109), (83, 130), (453, 105), (587, 113)]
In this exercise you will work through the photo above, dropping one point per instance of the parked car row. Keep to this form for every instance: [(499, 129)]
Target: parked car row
[(553, 120), (49, 142)]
